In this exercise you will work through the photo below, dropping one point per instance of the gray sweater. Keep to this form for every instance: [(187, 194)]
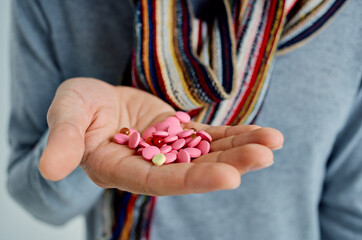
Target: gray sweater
[(314, 189)]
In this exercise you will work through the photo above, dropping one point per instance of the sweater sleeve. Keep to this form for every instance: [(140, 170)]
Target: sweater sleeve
[(35, 78), (341, 202)]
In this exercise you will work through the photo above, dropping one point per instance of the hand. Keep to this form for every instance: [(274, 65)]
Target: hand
[(86, 113)]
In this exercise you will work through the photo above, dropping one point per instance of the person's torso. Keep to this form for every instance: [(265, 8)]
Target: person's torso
[(311, 91)]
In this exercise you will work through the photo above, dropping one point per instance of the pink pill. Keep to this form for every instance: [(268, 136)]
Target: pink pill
[(149, 152), (173, 121), (185, 133), (160, 134), (170, 139), (156, 125), (204, 147), (194, 152), (148, 132), (163, 126), (139, 151), (183, 156), (174, 130), (179, 143), (134, 140), (174, 151), (204, 135), (170, 157), (132, 130), (121, 138), (183, 117), (194, 142), (165, 149), (144, 144), (188, 140)]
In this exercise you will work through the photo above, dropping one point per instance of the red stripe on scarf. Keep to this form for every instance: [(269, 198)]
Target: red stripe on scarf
[(195, 64), (234, 117)]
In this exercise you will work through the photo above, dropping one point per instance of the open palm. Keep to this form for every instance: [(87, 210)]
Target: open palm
[(85, 115)]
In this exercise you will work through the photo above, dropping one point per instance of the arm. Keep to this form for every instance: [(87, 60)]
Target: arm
[(341, 202), (35, 78), (82, 119)]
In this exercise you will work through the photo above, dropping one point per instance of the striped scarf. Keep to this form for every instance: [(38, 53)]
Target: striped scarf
[(217, 70)]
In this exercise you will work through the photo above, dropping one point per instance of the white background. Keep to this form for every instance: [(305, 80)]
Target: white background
[(15, 223)]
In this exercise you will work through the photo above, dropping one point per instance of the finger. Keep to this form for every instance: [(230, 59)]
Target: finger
[(219, 132), (245, 158), (175, 179), (119, 168), (68, 120), (188, 178), (268, 137)]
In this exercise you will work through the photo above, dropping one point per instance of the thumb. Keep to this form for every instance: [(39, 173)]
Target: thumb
[(68, 120)]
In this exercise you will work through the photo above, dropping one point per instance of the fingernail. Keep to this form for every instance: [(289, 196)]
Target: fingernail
[(277, 148), (260, 166)]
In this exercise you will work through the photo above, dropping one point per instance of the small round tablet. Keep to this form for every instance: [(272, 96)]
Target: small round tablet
[(134, 140), (124, 131), (204, 147), (173, 121), (174, 151), (170, 157), (149, 152), (174, 130), (132, 130), (163, 126), (179, 143), (160, 134), (159, 159), (183, 117), (183, 156), (157, 141), (204, 135), (165, 149), (121, 138), (186, 133), (194, 152), (188, 140), (148, 132), (170, 139), (194, 142), (144, 144)]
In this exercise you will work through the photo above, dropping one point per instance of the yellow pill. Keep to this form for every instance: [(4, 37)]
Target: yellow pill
[(159, 159)]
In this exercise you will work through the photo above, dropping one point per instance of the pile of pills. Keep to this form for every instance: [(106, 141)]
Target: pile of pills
[(167, 142)]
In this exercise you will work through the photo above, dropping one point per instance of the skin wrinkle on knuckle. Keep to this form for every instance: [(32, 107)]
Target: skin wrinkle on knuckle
[(234, 142), (218, 156), (186, 181), (146, 188), (227, 132)]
